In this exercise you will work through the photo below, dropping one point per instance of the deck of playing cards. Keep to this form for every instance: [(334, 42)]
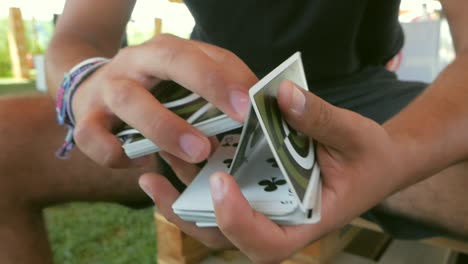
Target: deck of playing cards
[(274, 166), (190, 106)]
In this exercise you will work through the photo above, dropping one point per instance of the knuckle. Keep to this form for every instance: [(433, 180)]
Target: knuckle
[(125, 53), (226, 56), (119, 93), (166, 47), (216, 82), (110, 158), (81, 134), (324, 115), (106, 155), (161, 123)]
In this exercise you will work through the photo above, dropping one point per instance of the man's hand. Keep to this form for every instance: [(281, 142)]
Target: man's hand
[(119, 92), (359, 165)]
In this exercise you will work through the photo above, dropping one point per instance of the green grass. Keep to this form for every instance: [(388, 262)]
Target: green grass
[(101, 233), (95, 233), (12, 87)]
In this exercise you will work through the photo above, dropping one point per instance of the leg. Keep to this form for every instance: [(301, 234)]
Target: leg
[(32, 177)]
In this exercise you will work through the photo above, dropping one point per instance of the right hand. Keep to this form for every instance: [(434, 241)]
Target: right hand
[(118, 92)]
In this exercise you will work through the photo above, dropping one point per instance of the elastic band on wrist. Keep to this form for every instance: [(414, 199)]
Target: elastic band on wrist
[(65, 94)]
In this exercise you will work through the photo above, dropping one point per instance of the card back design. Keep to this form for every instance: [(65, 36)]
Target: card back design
[(293, 151)]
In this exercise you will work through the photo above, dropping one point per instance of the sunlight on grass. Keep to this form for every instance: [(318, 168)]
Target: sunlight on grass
[(101, 233)]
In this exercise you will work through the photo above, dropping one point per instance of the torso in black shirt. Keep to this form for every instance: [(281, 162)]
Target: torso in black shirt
[(337, 38), (344, 45)]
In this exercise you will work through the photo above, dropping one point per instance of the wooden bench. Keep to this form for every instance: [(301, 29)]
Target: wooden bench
[(175, 247)]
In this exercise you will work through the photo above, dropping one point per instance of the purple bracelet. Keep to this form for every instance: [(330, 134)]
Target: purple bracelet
[(65, 94)]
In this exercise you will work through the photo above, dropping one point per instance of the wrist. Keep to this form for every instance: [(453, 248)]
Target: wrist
[(419, 156), (67, 89)]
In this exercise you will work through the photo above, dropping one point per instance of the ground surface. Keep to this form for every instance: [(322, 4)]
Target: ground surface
[(95, 233)]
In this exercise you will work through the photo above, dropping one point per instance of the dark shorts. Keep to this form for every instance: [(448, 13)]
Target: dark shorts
[(378, 95)]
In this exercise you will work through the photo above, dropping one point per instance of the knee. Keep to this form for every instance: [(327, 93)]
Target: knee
[(23, 123)]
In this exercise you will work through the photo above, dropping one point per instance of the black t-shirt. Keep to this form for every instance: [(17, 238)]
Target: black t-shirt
[(337, 38)]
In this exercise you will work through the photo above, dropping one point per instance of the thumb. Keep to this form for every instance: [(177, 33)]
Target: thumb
[(309, 114)]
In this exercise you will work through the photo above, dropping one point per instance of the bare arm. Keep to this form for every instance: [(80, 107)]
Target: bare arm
[(433, 130), (86, 29), (118, 93)]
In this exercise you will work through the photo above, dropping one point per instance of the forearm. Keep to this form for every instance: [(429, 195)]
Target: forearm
[(83, 32), (63, 53), (432, 132)]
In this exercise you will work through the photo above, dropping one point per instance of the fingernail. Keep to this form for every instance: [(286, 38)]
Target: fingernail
[(217, 187), (297, 100), (193, 145), (146, 189), (240, 102)]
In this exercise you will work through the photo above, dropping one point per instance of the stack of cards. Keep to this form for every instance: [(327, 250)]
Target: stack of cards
[(190, 106), (274, 166)]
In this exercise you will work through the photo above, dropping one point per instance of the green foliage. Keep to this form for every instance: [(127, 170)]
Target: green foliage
[(5, 68), (101, 233), (37, 34)]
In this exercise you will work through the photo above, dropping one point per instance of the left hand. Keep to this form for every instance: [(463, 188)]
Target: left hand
[(359, 164)]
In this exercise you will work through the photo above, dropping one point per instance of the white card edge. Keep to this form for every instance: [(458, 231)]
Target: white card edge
[(254, 90)]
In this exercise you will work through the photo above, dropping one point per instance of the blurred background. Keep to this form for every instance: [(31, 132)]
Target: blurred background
[(26, 27), (107, 233)]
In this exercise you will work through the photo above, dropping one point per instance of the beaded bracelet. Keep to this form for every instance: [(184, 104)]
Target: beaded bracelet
[(65, 94)]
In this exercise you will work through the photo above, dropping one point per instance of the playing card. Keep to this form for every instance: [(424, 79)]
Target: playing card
[(189, 106), (262, 184), (296, 217), (294, 152), (251, 135), (197, 197), (273, 165)]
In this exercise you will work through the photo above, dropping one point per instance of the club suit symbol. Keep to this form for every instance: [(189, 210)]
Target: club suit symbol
[(271, 185), (227, 162), (229, 142), (272, 162)]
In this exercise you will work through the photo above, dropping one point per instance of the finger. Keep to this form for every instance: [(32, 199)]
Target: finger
[(109, 151), (252, 232), (185, 171), (136, 106), (214, 143), (329, 125), (229, 61), (171, 58), (164, 194)]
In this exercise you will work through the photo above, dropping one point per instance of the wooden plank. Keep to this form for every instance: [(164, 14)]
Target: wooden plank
[(369, 244), (409, 252), (444, 242), (323, 250), (17, 44), (157, 26), (453, 244), (175, 247)]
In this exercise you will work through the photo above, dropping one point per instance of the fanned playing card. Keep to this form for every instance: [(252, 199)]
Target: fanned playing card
[(274, 166), (261, 183), (190, 106), (295, 153)]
